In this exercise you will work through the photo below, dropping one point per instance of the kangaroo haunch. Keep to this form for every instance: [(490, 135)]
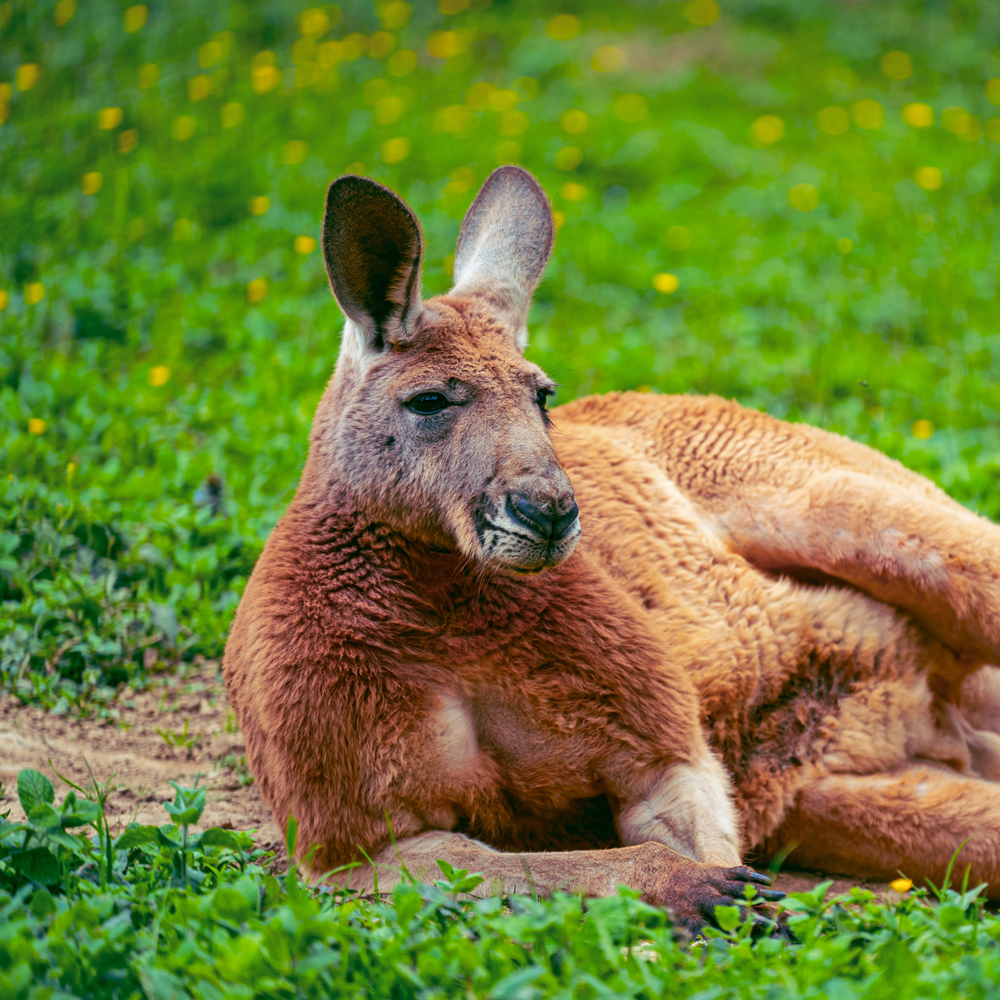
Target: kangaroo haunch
[(626, 641)]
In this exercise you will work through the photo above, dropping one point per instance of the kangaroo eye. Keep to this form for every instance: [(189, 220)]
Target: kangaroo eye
[(428, 402), (543, 395)]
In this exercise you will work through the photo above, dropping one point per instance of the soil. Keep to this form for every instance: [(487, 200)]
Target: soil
[(145, 748), (133, 753)]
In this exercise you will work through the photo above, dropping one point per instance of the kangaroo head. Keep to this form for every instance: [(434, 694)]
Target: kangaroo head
[(434, 422)]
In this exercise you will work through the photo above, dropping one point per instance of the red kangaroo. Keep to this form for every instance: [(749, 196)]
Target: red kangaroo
[(624, 642)]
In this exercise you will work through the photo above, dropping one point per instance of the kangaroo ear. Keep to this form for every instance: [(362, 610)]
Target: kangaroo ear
[(504, 245), (373, 248)]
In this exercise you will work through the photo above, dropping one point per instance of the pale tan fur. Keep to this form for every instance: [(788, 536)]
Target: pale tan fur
[(626, 648), (699, 471)]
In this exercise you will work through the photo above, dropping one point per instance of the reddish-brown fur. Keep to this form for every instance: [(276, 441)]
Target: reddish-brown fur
[(720, 664)]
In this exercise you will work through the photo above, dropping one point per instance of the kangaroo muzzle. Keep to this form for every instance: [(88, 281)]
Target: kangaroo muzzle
[(529, 530)]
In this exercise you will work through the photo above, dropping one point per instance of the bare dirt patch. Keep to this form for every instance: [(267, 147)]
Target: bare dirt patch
[(143, 761)]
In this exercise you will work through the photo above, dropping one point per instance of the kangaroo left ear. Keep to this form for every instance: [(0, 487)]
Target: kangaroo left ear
[(372, 247), (504, 245)]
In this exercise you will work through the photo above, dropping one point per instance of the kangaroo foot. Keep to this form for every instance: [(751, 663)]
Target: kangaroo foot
[(690, 891)]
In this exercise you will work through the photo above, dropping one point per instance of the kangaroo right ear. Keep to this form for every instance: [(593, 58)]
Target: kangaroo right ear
[(504, 245), (373, 248)]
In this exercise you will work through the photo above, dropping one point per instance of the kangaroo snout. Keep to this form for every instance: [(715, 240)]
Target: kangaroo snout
[(552, 517), (530, 527)]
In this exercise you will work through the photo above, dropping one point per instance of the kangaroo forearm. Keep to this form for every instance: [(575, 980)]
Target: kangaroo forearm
[(689, 890), (938, 563)]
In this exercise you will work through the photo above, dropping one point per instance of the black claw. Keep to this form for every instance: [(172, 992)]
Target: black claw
[(784, 931), (727, 897), (763, 926), (759, 879), (771, 895)]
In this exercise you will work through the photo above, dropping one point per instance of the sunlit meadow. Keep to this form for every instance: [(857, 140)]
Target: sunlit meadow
[(789, 202), (792, 204)]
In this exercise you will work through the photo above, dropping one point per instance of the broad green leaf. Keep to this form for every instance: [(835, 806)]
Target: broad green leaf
[(231, 904), (42, 903), (249, 888), (12, 832), (727, 917), (39, 864), (136, 836), (951, 917), (78, 812), (166, 841), (34, 790), (407, 900), (812, 901), (182, 815), (188, 805), (64, 840), (449, 872), (217, 837), (44, 817)]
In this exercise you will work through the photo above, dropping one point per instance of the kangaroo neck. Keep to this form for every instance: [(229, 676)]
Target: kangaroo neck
[(430, 588)]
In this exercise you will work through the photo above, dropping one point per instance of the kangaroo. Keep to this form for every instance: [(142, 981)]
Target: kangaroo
[(628, 641)]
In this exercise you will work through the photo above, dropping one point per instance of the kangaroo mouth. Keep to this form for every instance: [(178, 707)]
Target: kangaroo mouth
[(514, 545)]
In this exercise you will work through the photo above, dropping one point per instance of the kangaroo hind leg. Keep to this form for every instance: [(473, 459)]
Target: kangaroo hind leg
[(910, 821)]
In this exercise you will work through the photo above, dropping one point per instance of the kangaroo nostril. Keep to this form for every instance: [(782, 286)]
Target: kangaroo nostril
[(564, 522), (533, 514), (547, 522)]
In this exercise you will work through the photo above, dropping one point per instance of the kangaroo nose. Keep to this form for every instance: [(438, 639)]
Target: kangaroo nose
[(548, 523)]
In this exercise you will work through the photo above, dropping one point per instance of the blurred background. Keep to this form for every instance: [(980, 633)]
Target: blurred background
[(788, 202)]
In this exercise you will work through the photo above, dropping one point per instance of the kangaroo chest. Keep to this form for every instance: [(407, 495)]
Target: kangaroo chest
[(489, 742), (512, 782)]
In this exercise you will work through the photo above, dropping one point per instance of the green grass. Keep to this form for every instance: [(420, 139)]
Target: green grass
[(153, 419), (158, 912), (132, 520)]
